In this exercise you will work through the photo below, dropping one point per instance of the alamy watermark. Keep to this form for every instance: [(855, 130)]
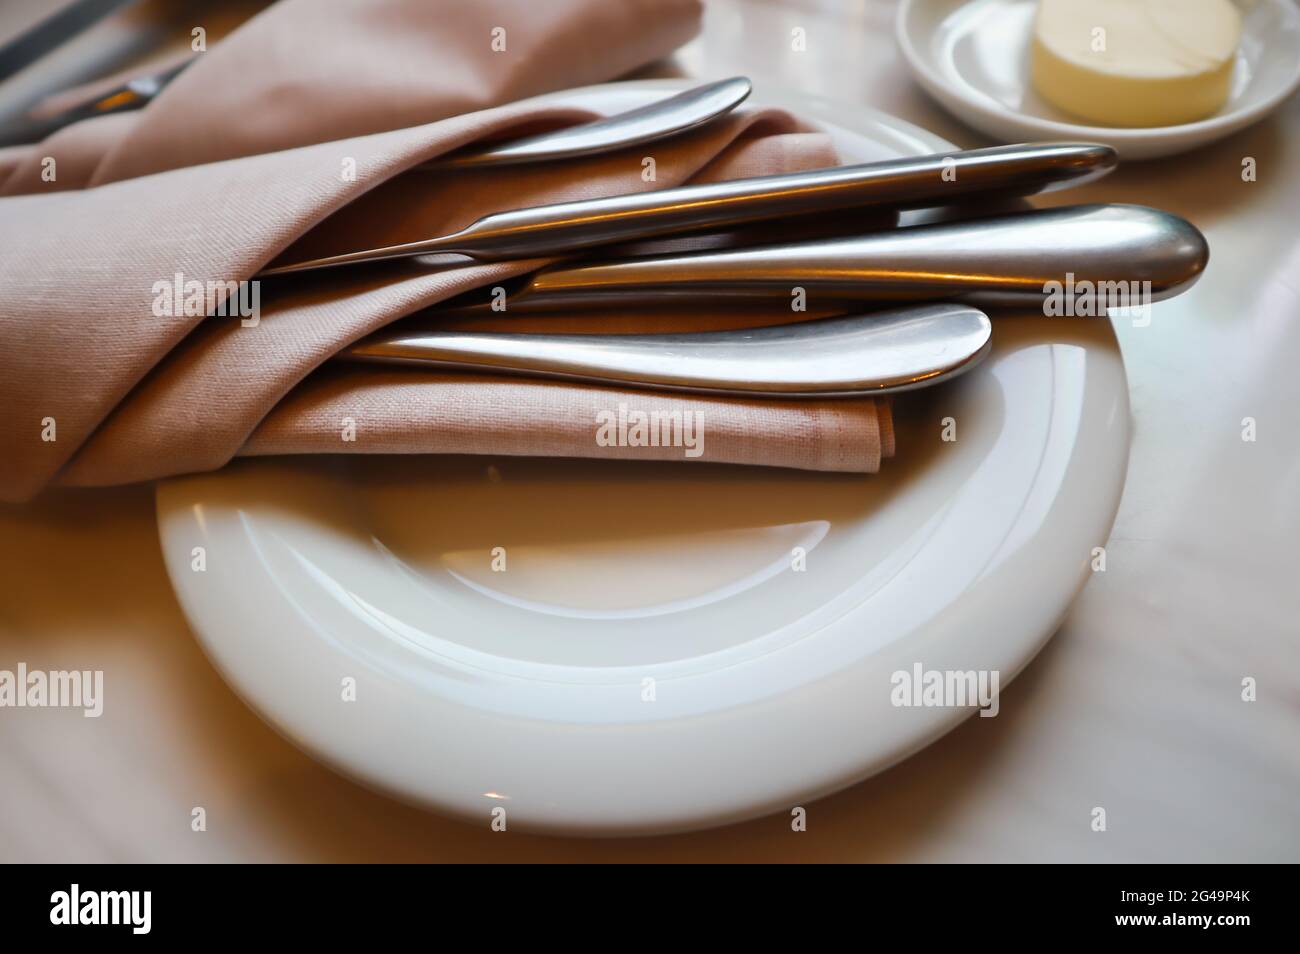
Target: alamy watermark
[(1089, 299), (53, 689), (188, 298), (946, 689), (628, 427), (76, 906)]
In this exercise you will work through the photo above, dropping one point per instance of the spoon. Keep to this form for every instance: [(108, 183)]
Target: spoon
[(879, 353), (1126, 252), (897, 183), (657, 120)]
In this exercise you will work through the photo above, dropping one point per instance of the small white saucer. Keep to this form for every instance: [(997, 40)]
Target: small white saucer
[(973, 57)]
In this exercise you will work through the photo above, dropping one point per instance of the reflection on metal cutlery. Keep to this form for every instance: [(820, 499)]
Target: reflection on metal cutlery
[(896, 183), (885, 352), (1120, 251), (658, 120), (130, 95)]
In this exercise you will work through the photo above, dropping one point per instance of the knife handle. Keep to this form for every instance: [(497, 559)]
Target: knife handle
[(918, 182), (1083, 252)]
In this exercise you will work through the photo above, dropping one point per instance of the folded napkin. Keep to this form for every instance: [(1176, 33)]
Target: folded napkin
[(101, 386), (309, 71)]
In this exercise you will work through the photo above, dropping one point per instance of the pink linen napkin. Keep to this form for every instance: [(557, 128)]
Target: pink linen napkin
[(309, 71), (98, 389)]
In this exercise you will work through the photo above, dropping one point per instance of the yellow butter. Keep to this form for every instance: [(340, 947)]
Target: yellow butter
[(1135, 62)]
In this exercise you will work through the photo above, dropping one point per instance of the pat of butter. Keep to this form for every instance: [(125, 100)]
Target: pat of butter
[(1135, 62)]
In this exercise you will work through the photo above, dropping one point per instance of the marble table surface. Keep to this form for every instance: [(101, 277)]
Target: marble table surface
[(1135, 705)]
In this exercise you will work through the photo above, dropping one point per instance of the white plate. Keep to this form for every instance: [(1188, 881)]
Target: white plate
[(527, 689), (973, 57)]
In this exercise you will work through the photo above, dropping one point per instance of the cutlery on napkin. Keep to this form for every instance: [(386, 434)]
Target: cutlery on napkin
[(102, 389)]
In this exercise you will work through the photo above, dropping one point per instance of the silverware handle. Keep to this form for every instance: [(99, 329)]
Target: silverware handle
[(877, 353), (1030, 256), (897, 183)]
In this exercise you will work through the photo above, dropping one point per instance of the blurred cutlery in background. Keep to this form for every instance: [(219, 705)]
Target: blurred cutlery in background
[(53, 31), (133, 94)]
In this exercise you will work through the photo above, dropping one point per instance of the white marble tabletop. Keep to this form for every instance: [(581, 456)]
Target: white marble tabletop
[(1136, 704)]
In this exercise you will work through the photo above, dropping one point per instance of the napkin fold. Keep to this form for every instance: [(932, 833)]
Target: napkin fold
[(108, 377), (309, 71)]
